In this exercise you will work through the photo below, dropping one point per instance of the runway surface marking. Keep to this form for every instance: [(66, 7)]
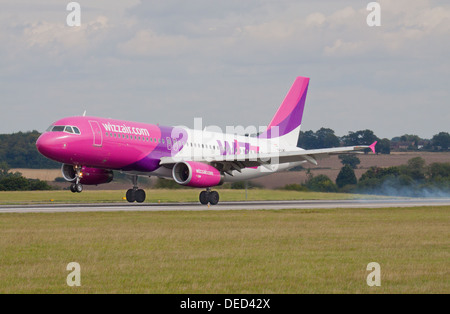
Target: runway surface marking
[(250, 205)]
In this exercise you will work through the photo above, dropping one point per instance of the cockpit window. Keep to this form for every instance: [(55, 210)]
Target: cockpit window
[(68, 129), (64, 128), (58, 128)]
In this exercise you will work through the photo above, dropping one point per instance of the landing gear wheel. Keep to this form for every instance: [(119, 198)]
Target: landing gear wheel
[(131, 195), (140, 196), (76, 188), (204, 197), (135, 195), (208, 196), (213, 198)]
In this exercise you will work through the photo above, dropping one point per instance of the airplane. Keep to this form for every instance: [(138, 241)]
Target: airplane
[(90, 148)]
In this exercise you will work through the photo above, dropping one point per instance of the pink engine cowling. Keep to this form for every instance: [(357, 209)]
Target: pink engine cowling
[(196, 174), (89, 176)]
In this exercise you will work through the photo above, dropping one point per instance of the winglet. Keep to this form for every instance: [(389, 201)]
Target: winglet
[(372, 147)]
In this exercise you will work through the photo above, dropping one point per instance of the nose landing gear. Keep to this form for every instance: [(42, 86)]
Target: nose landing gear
[(77, 187)]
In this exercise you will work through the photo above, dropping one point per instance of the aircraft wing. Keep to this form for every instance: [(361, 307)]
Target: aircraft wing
[(237, 162)]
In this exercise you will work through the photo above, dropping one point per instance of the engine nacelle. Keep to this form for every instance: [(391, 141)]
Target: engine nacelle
[(89, 176), (196, 174)]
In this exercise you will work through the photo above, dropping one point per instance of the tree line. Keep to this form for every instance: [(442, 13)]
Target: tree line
[(14, 181), (414, 179), (325, 137), (19, 150)]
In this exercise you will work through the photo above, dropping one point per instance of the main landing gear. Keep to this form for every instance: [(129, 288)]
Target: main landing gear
[(135, 194), (209, 196), (77, 187)]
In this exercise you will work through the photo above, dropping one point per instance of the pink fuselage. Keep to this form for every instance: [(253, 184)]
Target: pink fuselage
[(109, 144)]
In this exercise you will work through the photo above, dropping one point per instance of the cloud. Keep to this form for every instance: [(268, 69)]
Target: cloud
[(44, 34), (347, 49), (146, 43), (315, 19)]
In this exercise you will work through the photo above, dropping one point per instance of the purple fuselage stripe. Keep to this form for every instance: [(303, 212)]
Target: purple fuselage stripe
[(164, 149)]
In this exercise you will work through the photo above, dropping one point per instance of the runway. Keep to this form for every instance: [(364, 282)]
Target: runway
[(250, 205)]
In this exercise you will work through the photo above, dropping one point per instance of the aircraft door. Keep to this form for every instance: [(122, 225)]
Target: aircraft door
[(97, 133)]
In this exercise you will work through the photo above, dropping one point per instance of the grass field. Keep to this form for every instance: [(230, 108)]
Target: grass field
[(286, 251), (161, 195)]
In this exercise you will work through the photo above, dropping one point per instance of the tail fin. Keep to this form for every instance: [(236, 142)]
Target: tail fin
[(372, 147), (288, 119)]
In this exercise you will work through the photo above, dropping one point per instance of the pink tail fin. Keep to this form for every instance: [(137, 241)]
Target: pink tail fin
[(372, 147), (289, 115)]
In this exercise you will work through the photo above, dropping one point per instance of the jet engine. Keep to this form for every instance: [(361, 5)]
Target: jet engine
[(196, 174), (88, 176)]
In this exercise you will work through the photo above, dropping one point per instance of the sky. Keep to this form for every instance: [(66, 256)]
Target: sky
[(229, 62)]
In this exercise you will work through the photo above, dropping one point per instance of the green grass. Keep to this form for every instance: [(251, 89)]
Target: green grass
[(286, 251), (161, 195)]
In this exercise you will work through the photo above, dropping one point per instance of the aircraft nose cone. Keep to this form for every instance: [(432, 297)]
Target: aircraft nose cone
[(42, 144), (48, 145)]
